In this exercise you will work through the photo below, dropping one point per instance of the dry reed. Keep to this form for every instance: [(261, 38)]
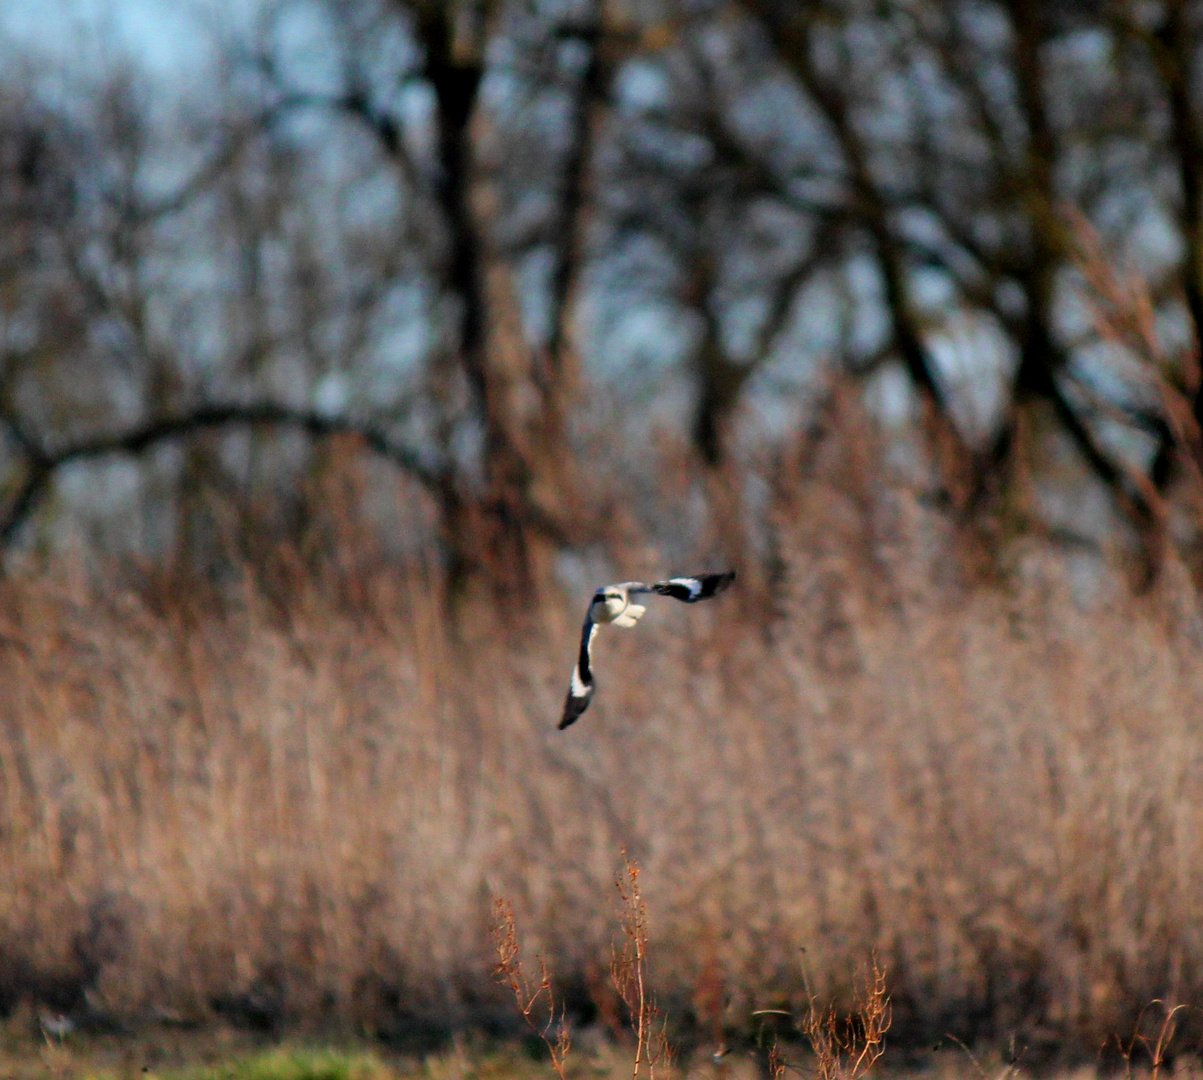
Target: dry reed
[(294, 802)]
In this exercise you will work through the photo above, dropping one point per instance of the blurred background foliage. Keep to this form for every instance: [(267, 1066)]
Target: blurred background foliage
[(324, 324), (523, 258)]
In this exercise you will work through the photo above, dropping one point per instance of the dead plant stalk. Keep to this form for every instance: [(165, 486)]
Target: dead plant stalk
[(628, 970), (848, 1049), (510, 971)]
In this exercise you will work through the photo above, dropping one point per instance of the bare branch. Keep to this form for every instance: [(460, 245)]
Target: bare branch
[(42, 464)]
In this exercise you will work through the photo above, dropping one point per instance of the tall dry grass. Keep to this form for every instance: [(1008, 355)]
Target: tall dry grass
[(296, 800)]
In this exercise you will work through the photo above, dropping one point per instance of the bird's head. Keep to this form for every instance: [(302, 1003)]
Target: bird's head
[(608, 604)]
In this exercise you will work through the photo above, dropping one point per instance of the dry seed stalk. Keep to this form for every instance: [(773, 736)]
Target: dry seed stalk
[(526, 993)]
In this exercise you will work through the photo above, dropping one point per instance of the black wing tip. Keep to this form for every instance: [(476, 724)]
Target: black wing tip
[(573, 708), (720, 581), (707, 585)]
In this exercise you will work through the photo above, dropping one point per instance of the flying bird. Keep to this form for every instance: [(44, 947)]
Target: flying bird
[(612, 604)]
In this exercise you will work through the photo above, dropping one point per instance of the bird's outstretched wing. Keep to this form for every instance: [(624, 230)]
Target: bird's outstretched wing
[(688, 589), (580, 690), (693, 589)]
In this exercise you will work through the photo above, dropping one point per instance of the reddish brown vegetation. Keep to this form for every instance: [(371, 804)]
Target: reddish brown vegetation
[(295, 801)]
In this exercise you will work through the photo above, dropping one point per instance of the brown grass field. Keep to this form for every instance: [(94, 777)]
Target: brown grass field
[(290, 803)]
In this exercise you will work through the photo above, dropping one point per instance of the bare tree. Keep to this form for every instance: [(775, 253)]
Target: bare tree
[(972, 178), (396, 240), (443, 239)]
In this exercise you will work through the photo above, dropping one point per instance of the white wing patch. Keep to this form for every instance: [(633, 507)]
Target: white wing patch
[(691, 583)]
